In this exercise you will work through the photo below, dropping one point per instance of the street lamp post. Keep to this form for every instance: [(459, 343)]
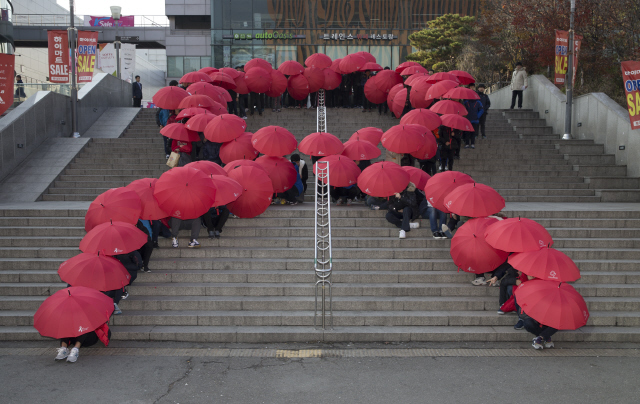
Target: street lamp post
[(115, 13), (569, 79), (74, 86)]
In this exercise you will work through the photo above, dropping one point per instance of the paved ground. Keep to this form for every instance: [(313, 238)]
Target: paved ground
[(344, 373)]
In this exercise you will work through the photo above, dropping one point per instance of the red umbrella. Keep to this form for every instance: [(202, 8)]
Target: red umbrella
[(121, 204), (319, 60), (332, 79), (418, 94), (547, 264), (392, 93), (290, 68), (198, 101), (257, 194), (258, 80), (370, 134), (373, 93), (448, 107), (197, 123), (456, 122), (404, 65), (231, 72), (443, 77), (257, 62), (518, 235), (195, 77), (169, 97), (278, 84), (320, 144), (207, 167), (113, 238), (383, 179), (428, 149), (387, 79), (463, 77), (404, 138), (360, 149), (225, 128), (417, 176), (95, 271), (335, 66), (210, 91), (185, 193), (424, 117), (178, 131), (71, 312), (223, 94), (241, 85), (207, 70), (298, 87), (369, 58), (438, 89), (373, 66), (240, 148), (474, 200), (227, 189), (315, 77), (554, 304), (218, 109), (399, 102), (242, 163), (223, 80), (281, 171), (416, 77), (469, 250), (461, 93), (144, 187), (189, 112), (352, 63), (343, 172), (274, 141), (441, 185), (413, 70)]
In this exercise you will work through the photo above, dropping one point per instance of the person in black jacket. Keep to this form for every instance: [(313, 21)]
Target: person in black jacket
[(543, 333), (137, 92), (448, 145), (346, 87), (303, 171), (508, 276), (211, 151), (403, 208), (486, 104)]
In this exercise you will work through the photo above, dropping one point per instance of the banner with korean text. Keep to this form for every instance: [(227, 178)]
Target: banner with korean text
[(7, 63), (631, 78), (87, 53), (562, 60), (58, 56)]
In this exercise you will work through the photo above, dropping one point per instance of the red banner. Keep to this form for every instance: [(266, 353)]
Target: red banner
[(58, 57), (631, 78), (87, 53), (7, 62), (562, 60)]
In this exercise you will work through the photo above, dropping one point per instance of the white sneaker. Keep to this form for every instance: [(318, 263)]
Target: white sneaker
[(403, 234), (73, 356), (62, 354), (414, 225), (479, 281), (548, 344), (174, 243)]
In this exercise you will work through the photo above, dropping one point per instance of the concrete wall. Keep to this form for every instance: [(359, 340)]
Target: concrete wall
[(600, 118), (104, 92)]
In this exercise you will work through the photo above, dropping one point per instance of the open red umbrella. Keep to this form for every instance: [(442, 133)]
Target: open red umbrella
[(413, 70), (454, 121), (231, 72), (369, 58), (227, 189), (274, 141), (383, 179), (144, 187), (335, 66), (281, 171), (428, 149), (278, 84), (370, 134), (320, 144), (387, 79), (343, 172), (424, 117), (169, 97), (121, 204), (352, 63), (332, 79), (189, 112), (469, 250), (319, 60), (198, 101), (437, 77), (360, 149), (207, 167), (373, 93), (195, 77), (225, 128), (197, 123), (518, 235), (207, 70), (178, 131), (372, 66), (438, 89), (404, 138), (240, 148), (95, 271), (241, 85), (185, 192), (258, 80), (113, 238), (242, 163), (547, 264), (315, 77), (554, 304), (418, 95), (404, 65), (448, 107), (398, 102), (290, 68), (210, 91), (411, 80), (392, 94), (463, 77), (441, 185), (257, 194), (417, 176), (298, 87), (224, 94), (474, 200), (461, 93), (71, 312), (257, 62)]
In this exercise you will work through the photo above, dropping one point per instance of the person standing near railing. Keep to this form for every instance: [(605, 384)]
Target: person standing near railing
[(137, 92), (19, 87)]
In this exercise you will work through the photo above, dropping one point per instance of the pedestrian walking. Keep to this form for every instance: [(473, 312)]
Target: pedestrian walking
[(20, 87), (137, 92), (519, 83), (474, 112), (486, 104)]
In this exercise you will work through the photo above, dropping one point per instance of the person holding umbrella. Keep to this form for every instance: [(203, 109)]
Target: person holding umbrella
[(403, 207), (448, 145), (303, 172)]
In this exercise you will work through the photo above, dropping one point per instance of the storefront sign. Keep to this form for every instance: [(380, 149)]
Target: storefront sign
[(562, 60), (265, 35), (58, 56), (6, 82), (349, 37), (631, 78), (93, 21), (87, 52)]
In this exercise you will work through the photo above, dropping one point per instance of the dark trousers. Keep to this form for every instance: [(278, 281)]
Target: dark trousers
[(470, 137), (85, 340), (453, 222), (242, 101), (216, 218), (346, 99), (257, 100), (232, 107), (167, 145), (358, 96), (516, 94), (446, 157), (344, 193), (538, 329), (383, 106), (137, 102), (483, 120), (505, 292), (400, 219), (290, 195), (145, 251), (429, 166), (159, 229), (178, 224)]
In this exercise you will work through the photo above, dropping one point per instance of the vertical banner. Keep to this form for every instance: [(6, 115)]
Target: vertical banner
[(631, 78), (87, 52), (127, 61), (58, 56), (7, 63), (562, 60)]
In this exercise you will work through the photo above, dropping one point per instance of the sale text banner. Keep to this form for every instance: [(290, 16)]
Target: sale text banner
[(58, 56), (87, 53), (631, 78), (7, 63), (562, 60)]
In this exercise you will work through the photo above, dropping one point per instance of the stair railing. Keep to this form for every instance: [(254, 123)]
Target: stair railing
[(321, 120), (322, 241)]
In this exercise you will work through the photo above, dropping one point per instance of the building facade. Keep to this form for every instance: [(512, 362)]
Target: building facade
[(231, 32)]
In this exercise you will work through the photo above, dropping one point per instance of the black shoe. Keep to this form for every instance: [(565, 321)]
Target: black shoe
[(212, 234), (146, 269), (125, 294), (519, 325), (217, 234), (156, 245)]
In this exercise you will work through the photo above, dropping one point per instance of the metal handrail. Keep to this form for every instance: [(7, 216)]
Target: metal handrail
[(321, 116), (64, 19), (322, 261)]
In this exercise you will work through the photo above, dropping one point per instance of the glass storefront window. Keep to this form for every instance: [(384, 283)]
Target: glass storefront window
[(175, 66), (395, 56), (240, 55), (336, 52), (191, 64), (205, 61), (241, 14), (262, 18), (382, 55), (284, 53)]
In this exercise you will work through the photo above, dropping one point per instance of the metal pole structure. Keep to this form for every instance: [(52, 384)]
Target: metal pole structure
[(74, 86), (322, 260), (569, 80), (117, 45), (321, 116)]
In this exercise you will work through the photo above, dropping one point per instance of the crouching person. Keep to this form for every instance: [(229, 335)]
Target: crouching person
[(543, 333), (70, 347), (403, 208)]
